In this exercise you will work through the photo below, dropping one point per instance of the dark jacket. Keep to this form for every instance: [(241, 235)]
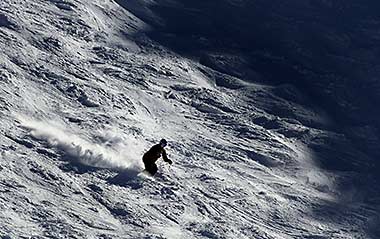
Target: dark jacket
[(155, 153)]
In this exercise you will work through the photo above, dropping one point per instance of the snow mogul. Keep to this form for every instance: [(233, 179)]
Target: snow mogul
[(153, 155)]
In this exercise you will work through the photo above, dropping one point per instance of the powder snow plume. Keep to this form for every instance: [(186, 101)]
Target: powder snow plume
[(110, 150)]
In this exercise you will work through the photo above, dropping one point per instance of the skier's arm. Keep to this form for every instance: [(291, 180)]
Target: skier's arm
[(165, 157)]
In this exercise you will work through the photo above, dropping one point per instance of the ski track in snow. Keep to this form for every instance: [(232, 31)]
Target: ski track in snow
[(84, 93)]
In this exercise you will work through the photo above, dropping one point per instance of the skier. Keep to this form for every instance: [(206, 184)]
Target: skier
[(153, 155)]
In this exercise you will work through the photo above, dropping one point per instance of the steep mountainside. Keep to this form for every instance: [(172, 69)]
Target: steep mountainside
[(269, 110)]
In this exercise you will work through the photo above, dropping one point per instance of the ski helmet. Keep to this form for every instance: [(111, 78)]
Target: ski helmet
[(163, 142)]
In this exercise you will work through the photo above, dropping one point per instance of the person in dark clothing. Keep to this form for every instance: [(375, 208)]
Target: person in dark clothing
[(153, 155)]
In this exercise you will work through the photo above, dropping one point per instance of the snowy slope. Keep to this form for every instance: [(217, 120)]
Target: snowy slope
[(87, 87)]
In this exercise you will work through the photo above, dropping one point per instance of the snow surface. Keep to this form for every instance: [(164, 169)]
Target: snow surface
[(85, 91)]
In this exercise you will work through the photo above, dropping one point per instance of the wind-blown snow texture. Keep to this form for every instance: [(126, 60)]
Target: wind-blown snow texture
[(269, 110)]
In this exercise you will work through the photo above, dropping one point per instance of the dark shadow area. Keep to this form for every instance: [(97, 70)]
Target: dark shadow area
[(124, 177), (127, 178), (359, 201), (328, 50), (72, 165)]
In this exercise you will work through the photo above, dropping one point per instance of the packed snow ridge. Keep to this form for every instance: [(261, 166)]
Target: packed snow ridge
[(88, 86)]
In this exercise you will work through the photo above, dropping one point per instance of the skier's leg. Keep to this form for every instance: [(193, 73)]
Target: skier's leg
[(154, 169), (151, 168)]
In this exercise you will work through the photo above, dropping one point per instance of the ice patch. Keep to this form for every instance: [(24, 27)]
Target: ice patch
[(111, 150)]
